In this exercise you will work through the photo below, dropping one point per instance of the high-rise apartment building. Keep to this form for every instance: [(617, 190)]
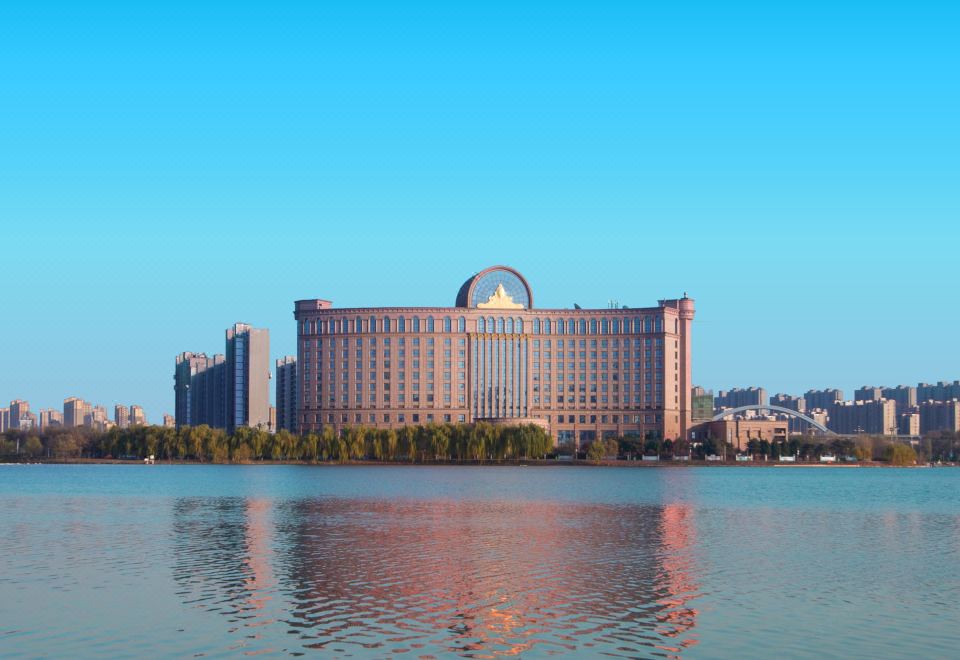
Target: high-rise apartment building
[(248, 377), (200, 390), (137, 416), (904, 395), (169, 421), (870, 417), (286, 393), (582, 373), (908, 423), (74, 411), (940, 416), (121, 416), (868, 393), (797, 403), (750, 396), (822, 399), (4, 419), (50, 418), (19, 410), (942, 391), (97, 419)]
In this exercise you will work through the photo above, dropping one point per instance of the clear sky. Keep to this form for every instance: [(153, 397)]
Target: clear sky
[(169, 168)]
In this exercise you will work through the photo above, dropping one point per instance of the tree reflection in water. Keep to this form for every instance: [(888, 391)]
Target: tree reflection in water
[(474, 578)]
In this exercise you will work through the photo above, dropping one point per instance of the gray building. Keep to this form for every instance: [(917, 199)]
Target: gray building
[(19, 410), (942, 391), (751, 396), (200, 390), (248, 377), (939, 416), (856, 417), (905, 396), (797, 403), (868, 393), (286, 393), (822, 399)]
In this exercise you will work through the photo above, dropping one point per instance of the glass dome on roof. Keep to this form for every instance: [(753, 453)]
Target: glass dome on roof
[(498, 287)]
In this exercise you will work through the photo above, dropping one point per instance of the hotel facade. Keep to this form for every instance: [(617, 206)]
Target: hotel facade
[(582, 374)]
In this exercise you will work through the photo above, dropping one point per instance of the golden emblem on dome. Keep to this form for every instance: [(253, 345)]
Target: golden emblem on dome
[(500, 300)]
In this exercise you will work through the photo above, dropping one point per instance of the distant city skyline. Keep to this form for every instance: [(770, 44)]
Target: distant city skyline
[(159, 186)]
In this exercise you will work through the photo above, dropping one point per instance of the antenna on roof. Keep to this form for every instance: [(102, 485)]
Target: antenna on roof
[(576, 306)]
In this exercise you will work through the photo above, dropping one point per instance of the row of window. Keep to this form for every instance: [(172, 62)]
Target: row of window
[(415, 418), (490, 324), (547, 343)]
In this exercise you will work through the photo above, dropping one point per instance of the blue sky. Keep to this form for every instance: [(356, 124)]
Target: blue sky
[(167, 169)]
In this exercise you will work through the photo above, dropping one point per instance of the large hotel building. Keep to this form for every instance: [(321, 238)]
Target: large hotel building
[(581, 373)]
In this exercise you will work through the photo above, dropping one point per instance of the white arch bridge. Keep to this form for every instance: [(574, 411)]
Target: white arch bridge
[(780, 409)]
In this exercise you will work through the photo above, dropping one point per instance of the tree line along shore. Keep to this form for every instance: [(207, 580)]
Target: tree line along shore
[(478, 442)]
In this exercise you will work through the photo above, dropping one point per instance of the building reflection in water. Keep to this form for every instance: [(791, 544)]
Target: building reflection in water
[(475, 578)]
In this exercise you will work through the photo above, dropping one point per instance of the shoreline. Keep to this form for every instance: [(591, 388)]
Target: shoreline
[(513, 463)]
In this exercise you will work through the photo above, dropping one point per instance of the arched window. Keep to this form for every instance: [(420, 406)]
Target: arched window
[(461, 324), (636, 325), (500, 325), (593, 326), (358, 325), (416, 324), (546, 326), (616, 326), (386, 324), (491, 327), (570, 327), (401, 324), (481, 325), (626, 325), (604, 327), (519, 326), (536, 326), (446, 324), (509, 328), (373, 324), (561, 326), (429, 324), (582, 327), (648, 324)]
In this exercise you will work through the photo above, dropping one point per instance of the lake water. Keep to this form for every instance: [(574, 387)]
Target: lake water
[(428, 562)]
